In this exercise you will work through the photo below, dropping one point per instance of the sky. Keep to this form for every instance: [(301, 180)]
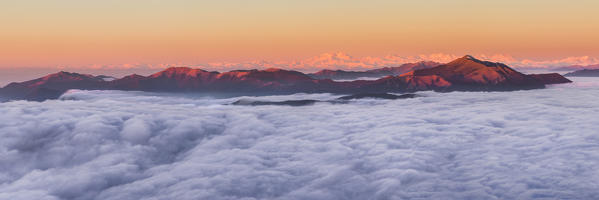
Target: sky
[(77, 33)]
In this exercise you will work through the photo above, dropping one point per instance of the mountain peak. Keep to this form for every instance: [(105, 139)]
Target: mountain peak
[(469, 57), (179, 71), (471, 60), (63, 75), (468, 70)]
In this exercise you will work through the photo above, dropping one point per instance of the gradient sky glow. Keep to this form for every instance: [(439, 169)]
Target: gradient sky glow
[(75, 32)]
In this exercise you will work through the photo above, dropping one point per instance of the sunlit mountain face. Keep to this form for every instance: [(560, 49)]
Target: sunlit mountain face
[(463, 74)]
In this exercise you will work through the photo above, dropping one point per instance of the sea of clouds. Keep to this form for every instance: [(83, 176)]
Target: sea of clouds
[(537, 144)]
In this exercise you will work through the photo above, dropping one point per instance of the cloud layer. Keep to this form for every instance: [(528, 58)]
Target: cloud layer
[(459, 145)]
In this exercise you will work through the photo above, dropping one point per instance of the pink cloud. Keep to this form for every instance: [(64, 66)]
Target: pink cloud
[(344, 61)]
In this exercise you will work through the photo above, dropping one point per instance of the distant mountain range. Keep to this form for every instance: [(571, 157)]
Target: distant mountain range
[(584, 73), (577, 67), (463, 74), (373, 73)]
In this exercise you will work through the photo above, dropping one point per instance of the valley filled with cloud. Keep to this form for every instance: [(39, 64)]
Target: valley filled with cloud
[(460, 145)]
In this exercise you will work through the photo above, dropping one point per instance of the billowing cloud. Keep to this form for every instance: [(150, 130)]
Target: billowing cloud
[(459, 145)]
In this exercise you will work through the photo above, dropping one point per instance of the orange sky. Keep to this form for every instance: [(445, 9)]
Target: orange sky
[(81, 33)]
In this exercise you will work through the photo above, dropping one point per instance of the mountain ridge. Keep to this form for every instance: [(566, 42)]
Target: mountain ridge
[(372, 73), (584, 73), (463, 74)]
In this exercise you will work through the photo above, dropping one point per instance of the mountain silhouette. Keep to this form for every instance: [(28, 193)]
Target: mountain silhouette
[(463, 74)]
